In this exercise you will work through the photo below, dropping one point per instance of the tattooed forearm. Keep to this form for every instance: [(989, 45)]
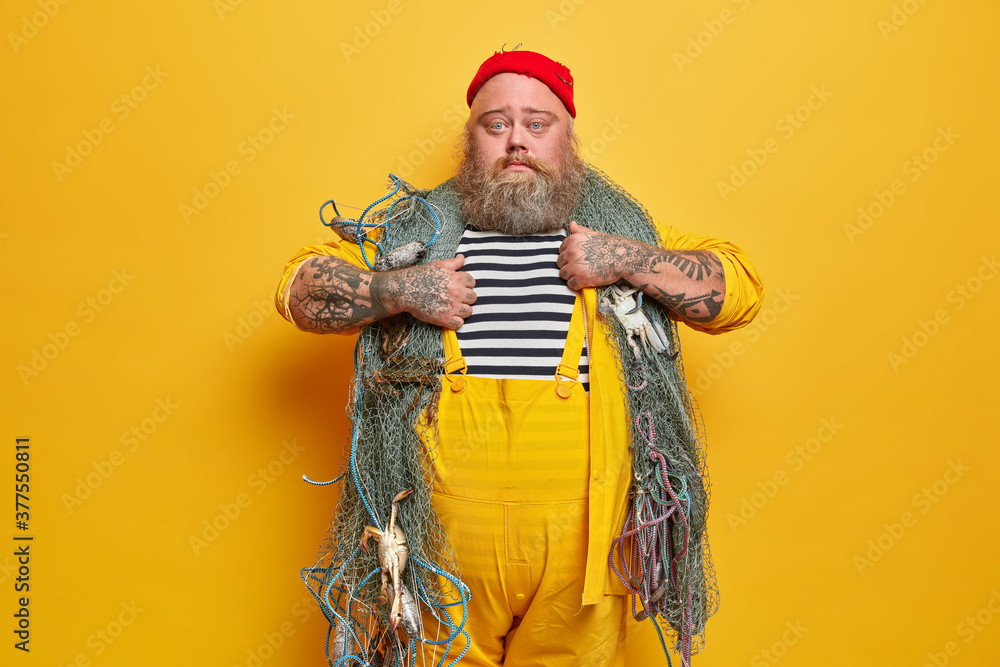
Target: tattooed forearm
[(691, 283), (612, 257), (700, 308), (330, 295), (696, 265)]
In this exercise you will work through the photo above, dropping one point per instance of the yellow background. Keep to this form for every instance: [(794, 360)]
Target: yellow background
[(187, 321)]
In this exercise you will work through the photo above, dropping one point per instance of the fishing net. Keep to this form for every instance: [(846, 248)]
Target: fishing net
[(662, 550), (663, 546)]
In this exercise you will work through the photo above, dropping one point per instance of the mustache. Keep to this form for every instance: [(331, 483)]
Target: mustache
[(542, 167)]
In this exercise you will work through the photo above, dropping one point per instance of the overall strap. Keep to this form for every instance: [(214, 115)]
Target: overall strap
[(567, 372), (454, 364)]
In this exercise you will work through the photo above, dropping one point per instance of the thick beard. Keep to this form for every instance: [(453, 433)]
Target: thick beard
[(519, 202)]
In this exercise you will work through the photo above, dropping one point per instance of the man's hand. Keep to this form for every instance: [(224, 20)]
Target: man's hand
[(690, 283), (436, 292), (592, 259), (330, 295)]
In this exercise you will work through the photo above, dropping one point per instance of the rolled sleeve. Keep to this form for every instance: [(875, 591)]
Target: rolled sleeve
[(349, 252), (744, 289)]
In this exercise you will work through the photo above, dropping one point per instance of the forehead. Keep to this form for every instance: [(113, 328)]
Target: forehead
[(518, 93)]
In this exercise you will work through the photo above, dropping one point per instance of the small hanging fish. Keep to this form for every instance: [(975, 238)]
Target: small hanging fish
[(346, 228), (409, 613), (343, 642), (401, 257)]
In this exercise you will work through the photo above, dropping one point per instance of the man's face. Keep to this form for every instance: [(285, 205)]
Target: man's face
[(514, 114), (519, 173)]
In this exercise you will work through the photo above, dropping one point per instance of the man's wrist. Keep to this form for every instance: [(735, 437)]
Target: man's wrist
[(382, 294), (639, 269)]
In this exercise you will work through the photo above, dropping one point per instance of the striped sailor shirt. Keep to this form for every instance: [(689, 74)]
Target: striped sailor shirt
[(521, 317)]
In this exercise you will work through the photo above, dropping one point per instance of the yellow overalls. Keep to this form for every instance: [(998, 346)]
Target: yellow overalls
[(512, 469)]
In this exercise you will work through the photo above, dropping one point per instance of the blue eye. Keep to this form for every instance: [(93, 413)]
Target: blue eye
[(536, 125), (497, 125)]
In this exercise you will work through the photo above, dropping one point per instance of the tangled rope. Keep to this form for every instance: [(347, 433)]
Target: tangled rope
[(658, 511), (358, 230)]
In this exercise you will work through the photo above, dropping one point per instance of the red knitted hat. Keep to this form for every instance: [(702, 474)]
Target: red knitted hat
[(534, 65)]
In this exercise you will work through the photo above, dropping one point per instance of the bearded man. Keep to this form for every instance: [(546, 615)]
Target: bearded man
[(539, 406)]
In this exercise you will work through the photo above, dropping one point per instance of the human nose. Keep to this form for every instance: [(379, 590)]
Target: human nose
[(516, 141)]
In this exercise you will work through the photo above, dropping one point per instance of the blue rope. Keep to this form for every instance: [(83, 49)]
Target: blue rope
[(328, 585), (455, 630), (375, 203), (462, 590), (362, 228), (364, 581), (336, 212), (437, 221), (332, 481), (355, 658), (352, 635), (460, 628), (357, 224)]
